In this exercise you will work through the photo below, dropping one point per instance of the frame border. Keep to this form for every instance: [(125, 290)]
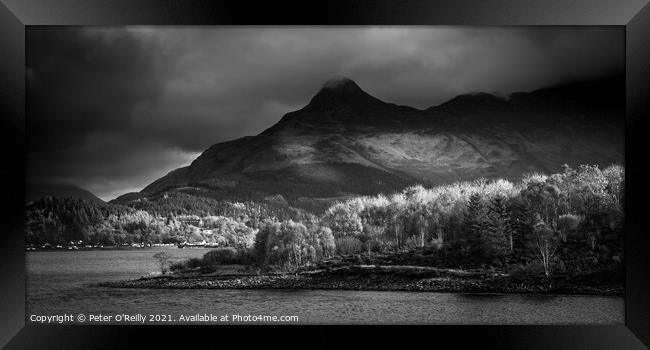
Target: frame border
[(16, 14)]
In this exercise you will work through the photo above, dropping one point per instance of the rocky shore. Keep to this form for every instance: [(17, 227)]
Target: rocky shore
[(383, 278)]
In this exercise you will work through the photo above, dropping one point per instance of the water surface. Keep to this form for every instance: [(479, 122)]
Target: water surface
[(62, 282)]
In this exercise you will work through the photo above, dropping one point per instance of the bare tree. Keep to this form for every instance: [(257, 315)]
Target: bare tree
[(546, 241)]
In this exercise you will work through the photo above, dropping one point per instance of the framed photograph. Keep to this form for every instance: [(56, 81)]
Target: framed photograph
[(473, 172)]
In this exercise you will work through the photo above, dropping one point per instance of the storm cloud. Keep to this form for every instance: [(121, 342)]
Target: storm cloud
[(112, 109)]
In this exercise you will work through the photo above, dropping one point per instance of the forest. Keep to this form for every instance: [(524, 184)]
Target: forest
[(568, 221), (168, 218)]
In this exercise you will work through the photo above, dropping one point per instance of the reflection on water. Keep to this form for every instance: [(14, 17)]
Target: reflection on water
[(61, 282)]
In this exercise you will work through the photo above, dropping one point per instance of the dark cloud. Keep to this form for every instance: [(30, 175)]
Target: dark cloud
[(82, 81), (112, 109)]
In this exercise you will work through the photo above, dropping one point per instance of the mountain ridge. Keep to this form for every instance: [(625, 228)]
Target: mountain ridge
[(347, 142)]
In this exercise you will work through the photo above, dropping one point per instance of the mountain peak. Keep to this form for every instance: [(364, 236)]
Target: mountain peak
[(342, 92), (340, 83)]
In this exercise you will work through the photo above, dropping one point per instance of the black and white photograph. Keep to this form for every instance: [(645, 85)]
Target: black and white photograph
[(325, 175)]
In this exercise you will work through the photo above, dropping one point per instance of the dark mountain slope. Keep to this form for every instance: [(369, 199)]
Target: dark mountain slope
[(38, 191)]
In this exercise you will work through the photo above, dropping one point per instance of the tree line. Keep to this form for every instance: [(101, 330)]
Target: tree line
[(486, 220), (569, 220), (62, 221)]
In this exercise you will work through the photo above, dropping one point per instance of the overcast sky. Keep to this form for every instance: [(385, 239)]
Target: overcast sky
[(113, 109)]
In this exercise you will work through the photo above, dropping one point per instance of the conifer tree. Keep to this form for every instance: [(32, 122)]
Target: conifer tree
[(497, 237), (522, 223), (475, 220)]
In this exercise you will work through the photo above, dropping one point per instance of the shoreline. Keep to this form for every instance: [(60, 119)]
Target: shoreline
[(359, 278)]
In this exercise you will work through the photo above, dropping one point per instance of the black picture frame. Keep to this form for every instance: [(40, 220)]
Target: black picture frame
[(634, 15)]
